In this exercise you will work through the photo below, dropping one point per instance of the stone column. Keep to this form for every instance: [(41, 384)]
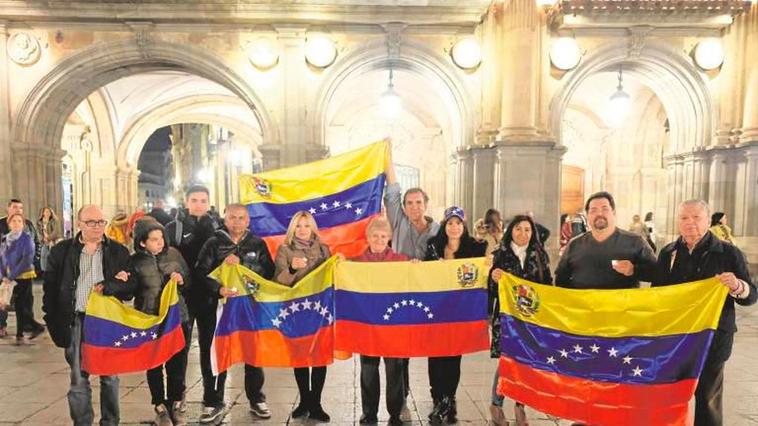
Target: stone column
[(749, 130), (464, 181), (749, 197), (127, 187), (491, 70), (270, 156), (37, 175), (675, 192), (483, 165), (293, 101), (721, 180), (6, 189)]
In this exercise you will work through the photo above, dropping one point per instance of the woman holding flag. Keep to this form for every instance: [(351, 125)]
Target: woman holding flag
[(301, 253), (521, 254), (451, 242)]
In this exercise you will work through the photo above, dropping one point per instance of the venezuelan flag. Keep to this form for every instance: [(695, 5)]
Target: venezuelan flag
[(404, 309), (119, 339), (272, 325), (342, 192), (605, 357)]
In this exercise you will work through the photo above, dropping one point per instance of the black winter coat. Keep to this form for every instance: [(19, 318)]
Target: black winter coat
[(188, 234), (153, 272), (435, 249), (536, 269), (59, 288), (251, 250)]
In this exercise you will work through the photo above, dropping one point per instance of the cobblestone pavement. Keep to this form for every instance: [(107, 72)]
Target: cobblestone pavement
[(34, 382)]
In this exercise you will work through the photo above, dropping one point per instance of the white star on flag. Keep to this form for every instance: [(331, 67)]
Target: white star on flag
[(324, 311), (324, 206), (134, 334), (389, 310), (283, 313), (419, 304), (348, 205), (312, 210), (564, 353), (577, 349), (595, 348), (329, 318), (638, 371), (336, 203), (612, 352), (430, 316), (117, 344), (154, 336), (143, 334), (412, 302), (627, 359), (404, 302), (316, 305), (306, 305), (125, 338), (276, 322), (396, 305), (386, 317), (550, 360), (294, 307), (358, 211), (426, 309)]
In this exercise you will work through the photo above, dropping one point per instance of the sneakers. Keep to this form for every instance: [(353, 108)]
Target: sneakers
[(212, 414), (260, 409), (497, 415), (395, 421), (317, 413), (37, 331), (177, 415), (368, 419), (405, 413), (300, 411), (162, 417)]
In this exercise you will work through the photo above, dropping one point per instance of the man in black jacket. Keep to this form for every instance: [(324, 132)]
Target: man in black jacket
[(159, 214), (234, 245), (88, 262), (697, 254)]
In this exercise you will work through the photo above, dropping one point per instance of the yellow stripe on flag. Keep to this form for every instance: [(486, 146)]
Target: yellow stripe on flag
[(316, 179), (658, 311), (111, 309), (398, 277), (240, 277)]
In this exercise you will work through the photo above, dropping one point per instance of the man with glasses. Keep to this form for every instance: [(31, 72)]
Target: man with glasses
[(77, 266)]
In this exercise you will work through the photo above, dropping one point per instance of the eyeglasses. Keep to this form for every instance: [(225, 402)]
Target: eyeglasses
[(94, 223)]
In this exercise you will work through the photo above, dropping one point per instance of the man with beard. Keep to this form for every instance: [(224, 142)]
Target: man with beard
[(606, 257)]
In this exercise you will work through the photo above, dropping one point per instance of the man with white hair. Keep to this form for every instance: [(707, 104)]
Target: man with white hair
[(697, 254)]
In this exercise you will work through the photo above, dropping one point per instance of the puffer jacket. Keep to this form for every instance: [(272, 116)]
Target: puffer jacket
[(316, 254), (153, 272), (251, 250)]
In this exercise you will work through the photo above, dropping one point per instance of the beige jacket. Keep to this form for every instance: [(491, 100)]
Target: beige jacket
[(316, 255)]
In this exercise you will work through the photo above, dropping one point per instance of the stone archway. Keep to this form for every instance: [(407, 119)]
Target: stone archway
[(39, 124)]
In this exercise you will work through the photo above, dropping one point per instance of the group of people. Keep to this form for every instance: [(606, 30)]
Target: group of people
[(194, 243), (24, 247)]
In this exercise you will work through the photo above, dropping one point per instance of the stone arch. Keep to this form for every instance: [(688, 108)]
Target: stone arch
[(51, 101), (413, 57), (672, 77), (176, 112)]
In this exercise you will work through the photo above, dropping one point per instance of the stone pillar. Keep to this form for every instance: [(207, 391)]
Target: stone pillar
[(675, 192), (293, 102), (270, 156), (127, 187), (491, 71), (700, 169), (749, 130), (722, 180), (6, 188), (464, 180), (483, 165), (37, 175)]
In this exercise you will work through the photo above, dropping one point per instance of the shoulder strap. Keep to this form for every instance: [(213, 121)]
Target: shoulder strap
[(178, 231)]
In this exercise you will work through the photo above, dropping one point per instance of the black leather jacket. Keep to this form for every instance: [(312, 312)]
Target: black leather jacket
[(251, 250), (58, 299)]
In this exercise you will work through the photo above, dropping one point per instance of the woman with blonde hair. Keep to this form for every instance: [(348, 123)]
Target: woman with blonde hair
[(117, 230), (300, 253)]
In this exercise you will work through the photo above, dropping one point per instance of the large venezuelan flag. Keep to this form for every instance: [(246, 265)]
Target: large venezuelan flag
[(119, 339), (404, 309), (342, 192), (606, 357), (272, 325)]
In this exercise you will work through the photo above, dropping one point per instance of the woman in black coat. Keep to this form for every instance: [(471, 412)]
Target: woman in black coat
[(451, 242), (521, 254)]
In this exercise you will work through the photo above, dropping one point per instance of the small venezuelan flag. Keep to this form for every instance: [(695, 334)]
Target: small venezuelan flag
[(119, 339), (606, 357), (342, 193), (404, 309), (272, 325)]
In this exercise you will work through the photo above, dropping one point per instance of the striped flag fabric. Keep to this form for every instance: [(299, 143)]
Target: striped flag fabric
[(272, 325), (119, 339), (406, 309), (606, 356), (343, 193)]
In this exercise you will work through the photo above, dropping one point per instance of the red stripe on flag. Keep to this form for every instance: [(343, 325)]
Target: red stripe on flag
[(348, 239), (595, 402), (270, 348), (102, 361), (413, 340)]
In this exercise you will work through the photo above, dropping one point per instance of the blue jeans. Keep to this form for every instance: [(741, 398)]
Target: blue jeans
[(80, 392)]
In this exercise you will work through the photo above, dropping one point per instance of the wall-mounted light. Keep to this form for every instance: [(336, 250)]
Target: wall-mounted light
[(467, 53), (565, 53), (263, 52), (320, 51), (390, 103), (709, 53)]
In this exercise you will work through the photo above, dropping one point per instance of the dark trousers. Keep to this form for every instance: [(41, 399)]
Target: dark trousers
[(444, 376), (406, 376), (370, 385), (213, 386), (710, 387), (176, 369), (23, 305), (310, 383)]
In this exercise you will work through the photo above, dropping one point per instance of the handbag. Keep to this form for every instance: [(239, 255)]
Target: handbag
[(6, 292)]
